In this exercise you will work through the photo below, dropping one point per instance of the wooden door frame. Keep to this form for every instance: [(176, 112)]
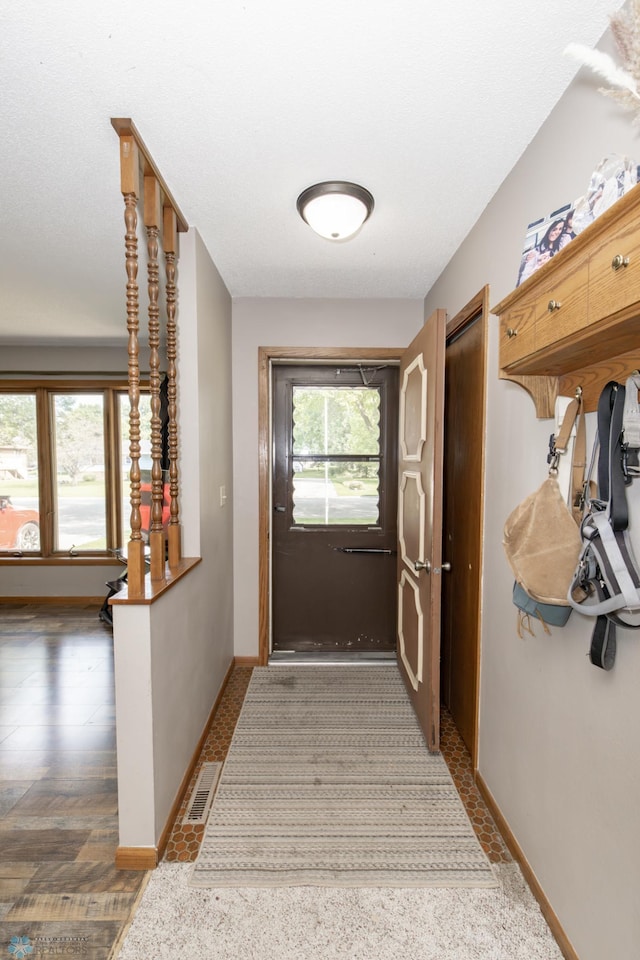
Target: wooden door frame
[(478, 306), (265, 357)]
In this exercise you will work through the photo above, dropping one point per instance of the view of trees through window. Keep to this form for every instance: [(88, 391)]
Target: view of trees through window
[(336, 455), (19, 492), (79, 457), (86, 475)]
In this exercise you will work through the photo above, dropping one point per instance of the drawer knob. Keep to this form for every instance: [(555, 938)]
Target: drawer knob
[(553, 305), (511, 332), (619, 262)]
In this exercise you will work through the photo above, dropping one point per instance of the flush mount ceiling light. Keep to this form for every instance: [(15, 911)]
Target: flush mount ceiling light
[(335, 209)]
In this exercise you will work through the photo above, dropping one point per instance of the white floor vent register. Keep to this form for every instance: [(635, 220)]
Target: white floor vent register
[(203, 793)]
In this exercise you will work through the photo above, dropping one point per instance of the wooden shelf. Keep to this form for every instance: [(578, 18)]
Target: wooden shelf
[(576, 321)]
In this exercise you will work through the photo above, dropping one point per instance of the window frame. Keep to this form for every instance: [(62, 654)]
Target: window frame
[(45, 391), (290, 374), (335, 458)]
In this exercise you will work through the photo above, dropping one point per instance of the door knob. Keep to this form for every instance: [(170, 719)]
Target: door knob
[(279, 508), (446, 566), (422, 565)]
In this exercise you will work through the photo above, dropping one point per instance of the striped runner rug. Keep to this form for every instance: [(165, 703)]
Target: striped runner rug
[(328, 782)]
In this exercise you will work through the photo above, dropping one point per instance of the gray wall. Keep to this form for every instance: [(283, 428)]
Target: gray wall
[(558, 737), (51, 358)]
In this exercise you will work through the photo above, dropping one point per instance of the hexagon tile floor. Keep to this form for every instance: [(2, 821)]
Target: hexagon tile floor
[(458, 760), (185, 839)]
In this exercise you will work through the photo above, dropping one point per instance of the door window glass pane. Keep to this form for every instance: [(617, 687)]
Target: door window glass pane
[(79, 458), (336, 492), (331, 420), (336, 455), (19, 498)]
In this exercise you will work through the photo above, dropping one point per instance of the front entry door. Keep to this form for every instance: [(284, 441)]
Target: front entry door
[(420, 458), (334, 509)]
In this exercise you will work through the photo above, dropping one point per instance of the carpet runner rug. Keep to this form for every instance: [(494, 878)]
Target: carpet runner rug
[(328, 782)]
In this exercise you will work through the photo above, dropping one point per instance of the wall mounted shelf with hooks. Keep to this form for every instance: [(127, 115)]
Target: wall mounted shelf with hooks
[(576, 321)]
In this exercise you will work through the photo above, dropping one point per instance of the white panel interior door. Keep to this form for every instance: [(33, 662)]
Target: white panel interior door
[(420, 521)]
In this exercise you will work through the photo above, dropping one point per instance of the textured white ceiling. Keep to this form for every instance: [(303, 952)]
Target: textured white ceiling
[(243, 104)]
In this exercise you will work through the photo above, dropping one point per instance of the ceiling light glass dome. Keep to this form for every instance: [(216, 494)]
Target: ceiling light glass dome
[(335, 209)]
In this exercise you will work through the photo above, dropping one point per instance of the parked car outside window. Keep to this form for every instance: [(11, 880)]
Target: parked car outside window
[(145, 508), (19, 528)]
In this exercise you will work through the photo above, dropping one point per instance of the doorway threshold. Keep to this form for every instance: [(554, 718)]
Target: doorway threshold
[(326, 658)]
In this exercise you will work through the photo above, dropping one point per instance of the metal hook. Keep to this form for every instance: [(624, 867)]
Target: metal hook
[(365, 382)]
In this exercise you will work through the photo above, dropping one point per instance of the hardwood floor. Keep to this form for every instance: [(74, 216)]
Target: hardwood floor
[(58, 789)]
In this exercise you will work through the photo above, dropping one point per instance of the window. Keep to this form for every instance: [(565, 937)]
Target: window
[(79, 488), (19, 481), (336, 455), (64, 465)]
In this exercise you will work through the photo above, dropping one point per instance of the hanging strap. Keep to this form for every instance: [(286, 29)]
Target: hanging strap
[(605, 404), (574, 414), (578, 468), (632, 410), (631, 427), (568, 421), (618, 509), (611, 479), (602, 652)]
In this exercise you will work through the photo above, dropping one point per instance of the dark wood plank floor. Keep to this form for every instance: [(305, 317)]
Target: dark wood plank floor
[(59, 888)]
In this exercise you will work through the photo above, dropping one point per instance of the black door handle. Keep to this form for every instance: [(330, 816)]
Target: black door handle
[(386, 552)]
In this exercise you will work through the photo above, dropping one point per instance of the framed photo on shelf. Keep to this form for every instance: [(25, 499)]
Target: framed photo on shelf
[(544, 238), (611, 179)]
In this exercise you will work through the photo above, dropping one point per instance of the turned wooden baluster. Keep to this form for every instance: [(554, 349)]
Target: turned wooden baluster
[(152, 222), (170, 237), (130, 188)]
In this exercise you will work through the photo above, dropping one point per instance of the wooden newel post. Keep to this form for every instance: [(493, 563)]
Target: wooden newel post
[(170, 236), (130, 187)]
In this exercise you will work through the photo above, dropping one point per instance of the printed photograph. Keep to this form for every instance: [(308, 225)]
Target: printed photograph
[(611, 179), (544, 238)]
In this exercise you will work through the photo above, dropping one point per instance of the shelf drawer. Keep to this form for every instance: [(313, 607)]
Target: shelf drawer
[(517, 333), (561, 308), (614, 272)]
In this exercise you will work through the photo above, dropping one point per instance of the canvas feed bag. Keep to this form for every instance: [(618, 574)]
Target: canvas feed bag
[(541, 537)]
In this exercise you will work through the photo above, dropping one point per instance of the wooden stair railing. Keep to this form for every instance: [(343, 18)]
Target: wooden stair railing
[(170, 254), (163, 221)]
